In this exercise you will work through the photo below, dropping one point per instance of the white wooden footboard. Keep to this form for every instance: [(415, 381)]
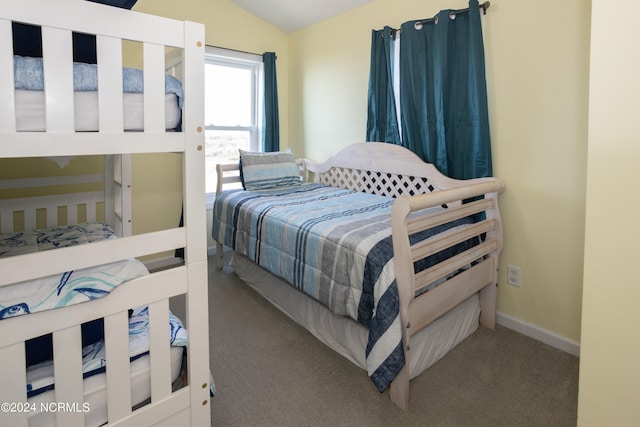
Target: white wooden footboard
[(477, 265), (391, 170)]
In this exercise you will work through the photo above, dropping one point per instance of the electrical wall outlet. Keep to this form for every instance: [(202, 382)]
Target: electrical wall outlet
[(514, 275)]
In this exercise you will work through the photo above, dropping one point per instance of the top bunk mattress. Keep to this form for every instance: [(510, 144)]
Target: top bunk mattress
[(31, 116), (30, 100)]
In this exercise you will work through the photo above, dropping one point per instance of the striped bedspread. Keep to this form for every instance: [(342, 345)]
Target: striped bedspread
[(333, 244)]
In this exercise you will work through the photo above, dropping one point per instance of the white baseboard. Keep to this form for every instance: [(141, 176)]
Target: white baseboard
[(539, 334)]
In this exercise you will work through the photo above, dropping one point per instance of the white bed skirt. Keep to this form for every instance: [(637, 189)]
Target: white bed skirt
[(346, 336), (95, 393), (30, 111)]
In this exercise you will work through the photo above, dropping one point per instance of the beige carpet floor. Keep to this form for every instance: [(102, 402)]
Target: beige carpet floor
[(270, 372)]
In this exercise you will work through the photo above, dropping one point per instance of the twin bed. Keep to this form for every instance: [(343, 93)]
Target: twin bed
[(86, 334), (399, 260)]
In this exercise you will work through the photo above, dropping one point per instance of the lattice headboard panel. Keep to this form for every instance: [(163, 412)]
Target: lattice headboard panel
[(380, 183)]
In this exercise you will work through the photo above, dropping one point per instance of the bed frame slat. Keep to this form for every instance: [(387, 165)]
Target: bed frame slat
[(448, 295), (7, 101), (13, 390), (57, 57), (153, 87), (449, 238), (453, 264), (109, 55), (447, 215), (52, 217), (72, 214), (6, 220), (116, 327), (67, 366), (159, 335), (30, 219)]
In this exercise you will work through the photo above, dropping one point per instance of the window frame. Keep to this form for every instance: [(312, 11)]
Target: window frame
[(253, 63)]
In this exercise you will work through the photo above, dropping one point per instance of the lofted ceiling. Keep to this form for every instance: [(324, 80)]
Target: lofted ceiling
[(293, 15)]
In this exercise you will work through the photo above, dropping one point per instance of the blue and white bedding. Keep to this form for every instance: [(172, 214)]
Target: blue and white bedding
[(68, 288), (336, 246), (28, 75), (40, 377)]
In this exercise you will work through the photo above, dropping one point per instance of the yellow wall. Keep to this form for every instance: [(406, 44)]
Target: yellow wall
[(537, 71), (609, 374), (42, 167)]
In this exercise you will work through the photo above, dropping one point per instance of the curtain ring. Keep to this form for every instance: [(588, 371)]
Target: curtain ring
[(452, 15), (418, 25)]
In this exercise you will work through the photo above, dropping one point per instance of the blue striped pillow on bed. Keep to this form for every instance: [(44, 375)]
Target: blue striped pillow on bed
[(261, 171)]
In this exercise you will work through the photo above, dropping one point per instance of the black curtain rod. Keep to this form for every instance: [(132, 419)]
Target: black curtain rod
[(235, 50), (484, 6)]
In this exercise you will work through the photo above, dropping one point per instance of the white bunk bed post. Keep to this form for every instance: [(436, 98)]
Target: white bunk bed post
[(118, 188), (195, 224)]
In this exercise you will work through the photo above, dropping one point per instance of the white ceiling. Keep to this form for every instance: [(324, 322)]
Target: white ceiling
[(293, 15)]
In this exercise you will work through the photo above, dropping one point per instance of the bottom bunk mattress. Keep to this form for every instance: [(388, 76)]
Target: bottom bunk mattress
[(349, 338), (41, 387)]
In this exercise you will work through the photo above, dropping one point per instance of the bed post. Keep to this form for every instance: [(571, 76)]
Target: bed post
[(403, 269), (488, 294), (195, 224)]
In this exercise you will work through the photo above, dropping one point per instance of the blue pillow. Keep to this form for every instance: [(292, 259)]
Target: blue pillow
[(261, 171)]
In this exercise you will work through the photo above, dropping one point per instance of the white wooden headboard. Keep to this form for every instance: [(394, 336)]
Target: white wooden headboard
[(48, 211), (112, 204)]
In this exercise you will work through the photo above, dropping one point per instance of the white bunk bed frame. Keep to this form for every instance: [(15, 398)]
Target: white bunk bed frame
[(393, 171), (189, 405)]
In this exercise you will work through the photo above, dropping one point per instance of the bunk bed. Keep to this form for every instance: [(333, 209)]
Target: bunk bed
[(400, 261), (147, 369)]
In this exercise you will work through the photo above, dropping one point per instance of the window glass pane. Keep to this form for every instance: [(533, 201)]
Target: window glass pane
[(228, 100), (222, 147)]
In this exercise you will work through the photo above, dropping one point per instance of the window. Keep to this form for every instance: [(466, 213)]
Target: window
[(233, 108)]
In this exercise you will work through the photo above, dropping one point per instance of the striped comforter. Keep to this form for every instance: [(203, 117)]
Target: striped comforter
[(331, 243)]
